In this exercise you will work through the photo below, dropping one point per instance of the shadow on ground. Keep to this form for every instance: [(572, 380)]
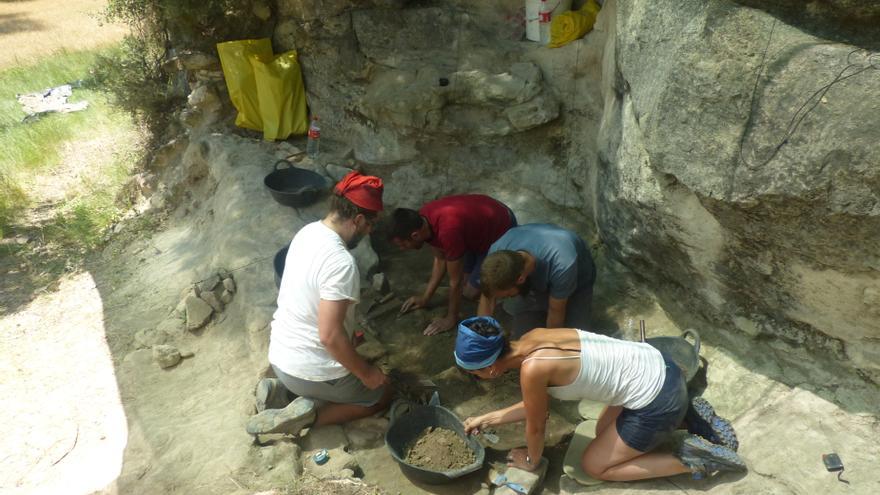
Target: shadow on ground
[(17, 23)]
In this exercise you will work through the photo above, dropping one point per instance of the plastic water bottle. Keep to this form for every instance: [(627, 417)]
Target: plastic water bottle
[(312, 148), (544, 14)]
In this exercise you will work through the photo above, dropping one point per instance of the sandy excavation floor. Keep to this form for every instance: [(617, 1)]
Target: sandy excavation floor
[(70, 356)]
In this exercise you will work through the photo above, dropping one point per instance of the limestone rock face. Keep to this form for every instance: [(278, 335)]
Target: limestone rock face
[(402, 38), (731, 185), (408, 100), (472, 102), (429, 90)]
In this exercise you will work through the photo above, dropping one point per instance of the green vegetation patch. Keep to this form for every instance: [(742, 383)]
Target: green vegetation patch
[(99, 143)]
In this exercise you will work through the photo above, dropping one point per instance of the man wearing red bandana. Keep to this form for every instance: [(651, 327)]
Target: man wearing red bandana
[(311, 348)]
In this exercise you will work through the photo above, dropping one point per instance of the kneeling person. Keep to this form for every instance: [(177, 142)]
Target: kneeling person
[(310, 347), (645, 393), (545, 274), (460, 228)]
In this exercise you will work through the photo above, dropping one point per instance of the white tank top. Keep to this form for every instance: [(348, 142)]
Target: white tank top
[(614, 372)]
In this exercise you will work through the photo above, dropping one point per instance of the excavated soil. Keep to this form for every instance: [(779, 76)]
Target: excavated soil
[(439, 449)]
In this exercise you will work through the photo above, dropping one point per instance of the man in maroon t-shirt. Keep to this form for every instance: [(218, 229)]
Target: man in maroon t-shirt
[(460, 229)]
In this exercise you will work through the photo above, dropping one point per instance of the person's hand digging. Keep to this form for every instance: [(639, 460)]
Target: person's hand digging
[(475, 424), (374, 378), (440, 325), (413, 303)]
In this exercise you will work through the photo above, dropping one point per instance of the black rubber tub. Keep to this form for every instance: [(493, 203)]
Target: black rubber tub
[(682, 352), (278, 262), (296, 187), (405, 428)]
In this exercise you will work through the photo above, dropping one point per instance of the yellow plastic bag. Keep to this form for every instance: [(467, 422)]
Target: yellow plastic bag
[(573, 25), (281, 96), (235, 58)]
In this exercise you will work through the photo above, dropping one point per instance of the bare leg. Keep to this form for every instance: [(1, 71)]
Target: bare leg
[(333, 413), (609, 458), (607, 418)]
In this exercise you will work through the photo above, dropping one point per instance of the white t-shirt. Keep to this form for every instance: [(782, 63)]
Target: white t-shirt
[(318, 266)]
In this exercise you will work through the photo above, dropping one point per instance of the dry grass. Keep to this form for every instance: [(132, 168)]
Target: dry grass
[(32, 29)]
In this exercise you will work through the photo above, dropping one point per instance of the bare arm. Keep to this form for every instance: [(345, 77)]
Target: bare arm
[(533, 382), (455, 286), (556, 312), (456, 274), (486, 307), (512, 414), (331, 332), (437, 271)]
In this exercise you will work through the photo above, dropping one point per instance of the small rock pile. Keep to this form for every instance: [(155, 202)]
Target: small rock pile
[(205, 299), (199, 304)]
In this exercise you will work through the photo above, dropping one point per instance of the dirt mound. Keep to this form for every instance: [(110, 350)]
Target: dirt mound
[(439, 449)]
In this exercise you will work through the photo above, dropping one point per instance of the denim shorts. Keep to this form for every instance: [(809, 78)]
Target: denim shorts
[(643, 429)]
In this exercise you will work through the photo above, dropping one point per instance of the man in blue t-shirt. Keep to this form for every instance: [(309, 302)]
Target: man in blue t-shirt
[(545, 274)]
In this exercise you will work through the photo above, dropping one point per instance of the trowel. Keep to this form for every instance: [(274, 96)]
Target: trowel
[(501, 480), (378, 302), (490, 437)]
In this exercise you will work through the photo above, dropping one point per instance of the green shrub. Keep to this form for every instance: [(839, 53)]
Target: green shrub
[(196, 24), (31, 147), (137, 74), (134, 76)]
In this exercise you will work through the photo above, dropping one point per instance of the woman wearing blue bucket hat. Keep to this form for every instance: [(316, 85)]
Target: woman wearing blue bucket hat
[(644, 390)]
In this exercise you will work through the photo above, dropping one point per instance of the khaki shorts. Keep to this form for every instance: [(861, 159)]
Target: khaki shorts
[(346, 390)]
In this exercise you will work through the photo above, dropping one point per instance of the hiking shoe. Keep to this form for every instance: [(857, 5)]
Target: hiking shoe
[(705, 458), (702, 420), (293, 418), (270, 394)]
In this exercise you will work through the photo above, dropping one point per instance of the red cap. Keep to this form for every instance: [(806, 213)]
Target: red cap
[(362, 190)]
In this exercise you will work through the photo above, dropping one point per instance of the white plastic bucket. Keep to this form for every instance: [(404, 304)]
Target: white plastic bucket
[(533, 8)]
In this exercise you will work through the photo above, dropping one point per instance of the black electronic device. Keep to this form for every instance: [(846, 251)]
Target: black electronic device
[(834, 464)]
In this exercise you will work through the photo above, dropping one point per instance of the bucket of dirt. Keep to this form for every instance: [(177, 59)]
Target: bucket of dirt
[(430, 445)]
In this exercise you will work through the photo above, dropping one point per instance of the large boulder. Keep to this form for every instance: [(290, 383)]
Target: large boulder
[(471, 103), (738, 172)]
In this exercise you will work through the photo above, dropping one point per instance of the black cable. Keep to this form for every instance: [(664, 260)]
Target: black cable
[(798, 117), (792, 125), (748, 125)]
